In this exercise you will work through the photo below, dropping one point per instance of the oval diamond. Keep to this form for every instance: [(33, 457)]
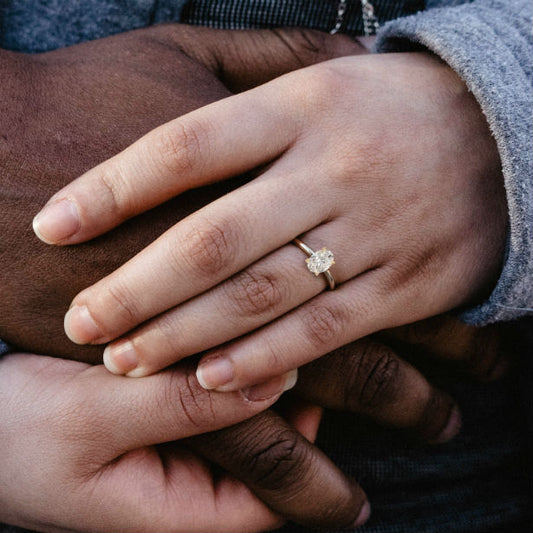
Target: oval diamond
[(320, 261)]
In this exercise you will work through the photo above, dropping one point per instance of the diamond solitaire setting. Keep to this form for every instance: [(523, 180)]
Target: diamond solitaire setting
[(320, 261)]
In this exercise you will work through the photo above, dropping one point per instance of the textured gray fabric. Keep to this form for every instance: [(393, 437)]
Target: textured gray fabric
[(42, 25), (490, 45)]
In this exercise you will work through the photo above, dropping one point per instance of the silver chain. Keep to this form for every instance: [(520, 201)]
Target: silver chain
[(341, 9), (370, 21)]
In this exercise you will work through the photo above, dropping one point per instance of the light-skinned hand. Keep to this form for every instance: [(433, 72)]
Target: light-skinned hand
[(385, 159), (83, 447)]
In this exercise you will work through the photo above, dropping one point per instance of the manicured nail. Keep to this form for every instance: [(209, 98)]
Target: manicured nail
[(80, 326), (272, 387), (364, 515), (57, 221), (121, 358), (215, 373), (452, 427)]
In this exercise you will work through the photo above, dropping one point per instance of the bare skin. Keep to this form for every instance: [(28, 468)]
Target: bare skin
[(409, 196), (40, 281)]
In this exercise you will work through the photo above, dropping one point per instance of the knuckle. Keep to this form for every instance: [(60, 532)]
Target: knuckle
[(120, 305), (254, 292), (209, 247), (179, 147), (317, 89), (321, 82), (313, 46), (373, 379), (277, 460), (182, 389), (304, 45), (371, 157), (114, 190), (169, 333), (413, 264), (312, 41), (323, 323)]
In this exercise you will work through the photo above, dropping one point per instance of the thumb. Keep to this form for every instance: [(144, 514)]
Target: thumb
[(243, 59)]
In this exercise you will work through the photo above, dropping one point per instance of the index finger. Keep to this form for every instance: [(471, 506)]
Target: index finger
[(370, 379), (215, 142)]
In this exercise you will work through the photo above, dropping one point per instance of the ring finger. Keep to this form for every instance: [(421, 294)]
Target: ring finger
[(363, 305)]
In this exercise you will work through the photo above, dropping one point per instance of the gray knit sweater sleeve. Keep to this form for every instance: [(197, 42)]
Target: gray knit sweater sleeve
[(489, 43)]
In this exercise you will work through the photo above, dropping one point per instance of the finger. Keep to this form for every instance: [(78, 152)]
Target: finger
[(284, 470), (163, 488), (332, 319), (168, 406), (199, 148), (482, 352), (368, 378), (244, 59), (171, 489), (247, 300), (255, 296), (196, 254)]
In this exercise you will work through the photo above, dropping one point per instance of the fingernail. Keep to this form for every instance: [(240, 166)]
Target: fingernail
[(452, 427), (121, 358), (364, 515), (57, 221), (80, 326), (272, 387), (215, 373)]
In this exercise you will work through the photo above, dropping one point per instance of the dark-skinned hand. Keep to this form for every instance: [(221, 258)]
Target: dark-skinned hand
[(91, 460)]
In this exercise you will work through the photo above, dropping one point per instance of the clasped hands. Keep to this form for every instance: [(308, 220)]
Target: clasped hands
[(248, 226)]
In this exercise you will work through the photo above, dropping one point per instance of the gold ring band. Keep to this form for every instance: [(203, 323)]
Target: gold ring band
[(318, 262)]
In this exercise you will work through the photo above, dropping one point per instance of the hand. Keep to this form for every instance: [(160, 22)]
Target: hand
[(104, 428), (403, 184), (86, 443), (373, 380), (38, 282), (65, 111)]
